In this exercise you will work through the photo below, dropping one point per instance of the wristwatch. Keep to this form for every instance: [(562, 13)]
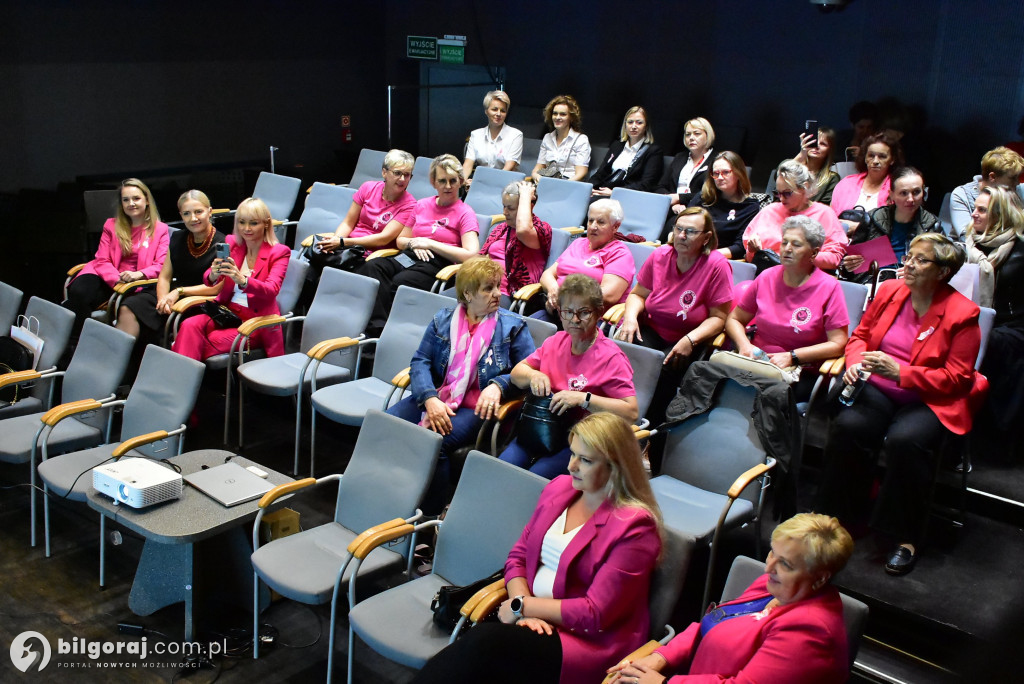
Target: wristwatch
[(794, 358), (586, 400), (517, 607)]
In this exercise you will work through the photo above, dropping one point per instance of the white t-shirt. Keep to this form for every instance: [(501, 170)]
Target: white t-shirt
[(484, 151)]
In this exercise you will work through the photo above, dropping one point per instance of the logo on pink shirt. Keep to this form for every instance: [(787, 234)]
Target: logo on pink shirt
[(686, 302), (801, 317), (593, 262), (439, 223), (383, 220), (578, 383)]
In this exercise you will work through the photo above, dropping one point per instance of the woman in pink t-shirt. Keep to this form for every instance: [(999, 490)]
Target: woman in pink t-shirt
[(792, 189), (520, 243), (600, 256), (801, 311), (680, 301), (445, 232), (579, 368)]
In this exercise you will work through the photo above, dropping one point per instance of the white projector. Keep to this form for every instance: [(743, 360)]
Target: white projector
[(138, 482)]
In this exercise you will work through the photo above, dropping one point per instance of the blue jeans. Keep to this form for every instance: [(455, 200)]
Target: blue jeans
[(548, 466)]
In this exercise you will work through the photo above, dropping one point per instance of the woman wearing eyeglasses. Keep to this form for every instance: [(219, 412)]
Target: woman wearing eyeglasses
[(680, 301), (599, 256), (445, 232), (917, 344), (726, 196), (793, 185), (579, 368)]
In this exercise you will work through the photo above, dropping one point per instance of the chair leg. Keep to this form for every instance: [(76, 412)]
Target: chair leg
[(103, 551), (241, 412), (255, 615), (227, 401), (32, 498), (46, 518), (312, 437), (298, 435)]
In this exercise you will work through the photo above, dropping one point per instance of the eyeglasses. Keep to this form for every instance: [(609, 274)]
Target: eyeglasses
[(447, 182), (721, 174), (688, 232), (582, 314), (784, 194), (400, 174), (914, 259)]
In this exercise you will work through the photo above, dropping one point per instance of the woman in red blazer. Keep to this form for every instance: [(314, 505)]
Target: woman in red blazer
[(918, 341), (252, 277), (133, 247), (578, 578), (786, 628)]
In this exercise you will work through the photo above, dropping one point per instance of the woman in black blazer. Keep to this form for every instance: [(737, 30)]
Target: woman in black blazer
[(633, 161)]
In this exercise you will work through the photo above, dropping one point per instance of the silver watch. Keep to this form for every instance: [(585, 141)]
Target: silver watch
[(517, 605)]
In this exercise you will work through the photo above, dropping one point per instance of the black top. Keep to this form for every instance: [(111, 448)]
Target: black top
[(670, 179), (189, 270), (1008, 300), (731, 219), (643, 172)]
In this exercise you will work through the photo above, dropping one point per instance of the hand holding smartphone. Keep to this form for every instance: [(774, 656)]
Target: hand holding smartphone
[(222, 252), (811, 128)]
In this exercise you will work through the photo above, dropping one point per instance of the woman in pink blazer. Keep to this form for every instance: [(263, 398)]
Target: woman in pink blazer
[(133, 247), (577, 579), (786, 628), (252, 277)]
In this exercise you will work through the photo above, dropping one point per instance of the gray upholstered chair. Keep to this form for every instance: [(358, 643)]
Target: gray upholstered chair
[(152, 425), (95, 371), (644, 212), (368, 167), (55, 323), (10, 304), (485, 192), (562, 203), (560, 240), (330, 332), (420, 186), (348, 402), (325, 209), (390, 470), (492, 503)]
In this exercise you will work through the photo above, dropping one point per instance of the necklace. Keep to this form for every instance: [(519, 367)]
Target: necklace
[(197, 252)]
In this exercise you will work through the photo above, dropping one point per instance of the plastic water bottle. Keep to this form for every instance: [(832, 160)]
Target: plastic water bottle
[(851, 392)]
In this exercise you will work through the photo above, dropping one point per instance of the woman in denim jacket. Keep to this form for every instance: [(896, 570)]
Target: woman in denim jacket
[(461, 370)]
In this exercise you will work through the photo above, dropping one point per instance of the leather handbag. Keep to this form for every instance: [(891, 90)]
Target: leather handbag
[(449, 599), (222, 316), (541, 432), (765, 259)]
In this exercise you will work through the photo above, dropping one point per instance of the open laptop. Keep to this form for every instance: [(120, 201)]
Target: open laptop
[(229, 483)]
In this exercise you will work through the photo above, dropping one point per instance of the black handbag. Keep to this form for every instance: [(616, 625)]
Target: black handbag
[(347, 259), (860, 216), (449, 599), (222, 316), (765, 259), (540, 431)]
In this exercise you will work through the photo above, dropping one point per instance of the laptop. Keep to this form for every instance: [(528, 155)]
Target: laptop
[(229, 483)]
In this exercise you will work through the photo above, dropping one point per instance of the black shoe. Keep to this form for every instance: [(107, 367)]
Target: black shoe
[(901, 561)]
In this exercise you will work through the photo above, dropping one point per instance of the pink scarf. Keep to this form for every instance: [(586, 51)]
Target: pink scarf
[(465, 353)]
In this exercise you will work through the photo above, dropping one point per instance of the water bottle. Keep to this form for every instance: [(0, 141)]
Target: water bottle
[(851, 392)]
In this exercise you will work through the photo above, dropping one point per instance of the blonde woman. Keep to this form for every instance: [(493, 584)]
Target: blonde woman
[(133, 247), (497, 144)]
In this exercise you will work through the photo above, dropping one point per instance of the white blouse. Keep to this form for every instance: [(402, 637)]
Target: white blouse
[(556, 539)]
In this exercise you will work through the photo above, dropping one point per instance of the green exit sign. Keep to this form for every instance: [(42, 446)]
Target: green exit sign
[(421, 47), (452, 52)]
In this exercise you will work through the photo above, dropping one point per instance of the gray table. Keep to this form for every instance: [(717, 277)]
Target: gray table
[(195, 547)]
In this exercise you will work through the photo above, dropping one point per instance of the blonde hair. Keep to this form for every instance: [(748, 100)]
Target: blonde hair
[(613, 438), (123, 224), (1004, 211), (474, 273), (446, 162), (704, 125), (948, 254), (827, 544), (500, 96), (195, 196), (1001, 161), (255, 208), (398, 158), (648, 132)]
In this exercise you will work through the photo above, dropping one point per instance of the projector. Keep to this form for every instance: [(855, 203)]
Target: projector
[(138, 482)]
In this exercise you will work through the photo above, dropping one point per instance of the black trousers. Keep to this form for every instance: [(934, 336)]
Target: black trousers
[(391, 274), (909, 435), (85, 293), (496, 653)]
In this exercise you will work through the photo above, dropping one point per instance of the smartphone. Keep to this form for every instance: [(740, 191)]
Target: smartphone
[(223, 250), (811, 128), (405, 260)]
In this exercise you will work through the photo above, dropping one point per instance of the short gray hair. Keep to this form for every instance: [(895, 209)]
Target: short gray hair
[(795, 173), (608, 206), (813, 232), (512, 190), (398, 158)]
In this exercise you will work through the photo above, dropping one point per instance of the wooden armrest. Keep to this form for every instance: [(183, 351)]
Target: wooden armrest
[(574, 230), (20, 376), (308, 242), (402, 379), (361, 538), (746, 478), (527, 291), (186, 303), (614, 314), (641, 434), (496, 219), (322, 349), (277, 222), (488, 603), (495, 586), (121, 288), (448, 272), (75, 269), (642, 652), (135, 442), (253, 324), (838, 367), (215, 212), (719, 341), (508, 407), (381, 253), (371, 541), (286, 488), (59, 413), (648, 243)]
